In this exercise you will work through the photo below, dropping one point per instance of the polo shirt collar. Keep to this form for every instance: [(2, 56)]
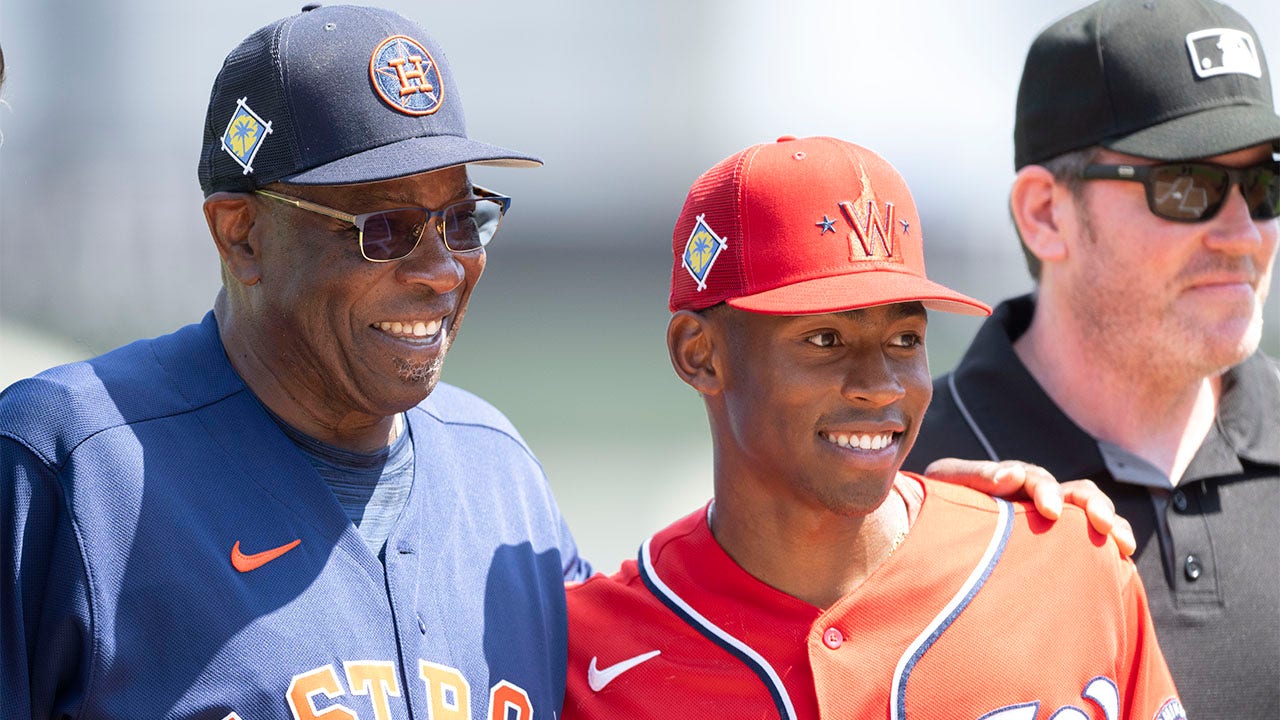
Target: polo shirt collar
[(1008, 406), (1020, 421)]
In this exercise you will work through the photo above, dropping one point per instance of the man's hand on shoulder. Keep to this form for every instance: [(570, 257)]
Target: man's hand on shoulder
[(1017, 480)]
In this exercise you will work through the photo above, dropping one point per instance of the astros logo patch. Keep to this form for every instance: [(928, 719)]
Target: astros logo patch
[(405, 76), (701, 251), (244, 135)]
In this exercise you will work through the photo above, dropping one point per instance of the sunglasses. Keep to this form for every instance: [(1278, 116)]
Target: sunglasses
[(1195, 191), (465, 226)]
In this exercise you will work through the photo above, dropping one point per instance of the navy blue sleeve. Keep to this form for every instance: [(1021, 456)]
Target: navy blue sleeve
[(576, 567), (45, 625)]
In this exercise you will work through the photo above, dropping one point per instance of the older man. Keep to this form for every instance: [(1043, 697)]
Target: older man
[(279, 511), (1146, 198)]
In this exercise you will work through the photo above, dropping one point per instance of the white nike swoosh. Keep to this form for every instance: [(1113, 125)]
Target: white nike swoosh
[(598, 678)]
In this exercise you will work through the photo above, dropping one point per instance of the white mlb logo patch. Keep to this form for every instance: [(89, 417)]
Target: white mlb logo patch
[(1223, 51)]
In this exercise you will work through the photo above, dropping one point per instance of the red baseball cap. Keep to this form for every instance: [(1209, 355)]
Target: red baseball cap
[(800, 227)]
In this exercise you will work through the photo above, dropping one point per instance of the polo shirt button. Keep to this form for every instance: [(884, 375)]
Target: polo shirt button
[(833, 638), (1191, 567), (1179, 501)]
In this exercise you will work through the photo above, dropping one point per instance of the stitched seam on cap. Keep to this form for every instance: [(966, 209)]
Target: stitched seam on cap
[(1112, 115), (279, 39), (741, 175)]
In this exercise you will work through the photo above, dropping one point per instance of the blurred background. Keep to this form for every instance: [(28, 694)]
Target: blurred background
[(102, 239)]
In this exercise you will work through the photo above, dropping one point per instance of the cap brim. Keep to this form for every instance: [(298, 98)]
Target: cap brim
[(411, 156), (1216, 131), (858, 290)]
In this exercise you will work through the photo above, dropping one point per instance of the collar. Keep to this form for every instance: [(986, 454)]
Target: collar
[(1010, 408)]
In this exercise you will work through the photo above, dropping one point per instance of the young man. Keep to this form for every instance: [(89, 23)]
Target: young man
[(820, 581), (1146, 198)]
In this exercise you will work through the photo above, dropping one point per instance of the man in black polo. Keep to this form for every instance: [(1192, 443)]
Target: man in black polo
[(1146, 199)]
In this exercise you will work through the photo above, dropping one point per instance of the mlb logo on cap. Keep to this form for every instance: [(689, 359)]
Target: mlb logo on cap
[(1222, 51)]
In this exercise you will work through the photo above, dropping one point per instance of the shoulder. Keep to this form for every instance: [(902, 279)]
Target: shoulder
[(1070, 568), (1071, 532), (54, 412), (600, 591), (471, 427), (451, 405), (600, 597)]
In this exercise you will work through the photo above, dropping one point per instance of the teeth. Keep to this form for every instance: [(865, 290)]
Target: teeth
[(860, 442), (411, 329)]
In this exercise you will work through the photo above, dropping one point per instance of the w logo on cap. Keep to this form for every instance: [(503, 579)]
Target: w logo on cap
[(1223, 51), (868, 230)]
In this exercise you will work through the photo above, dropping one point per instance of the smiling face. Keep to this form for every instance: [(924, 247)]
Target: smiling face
[(1184, 295), (347, 335), (821, 409)]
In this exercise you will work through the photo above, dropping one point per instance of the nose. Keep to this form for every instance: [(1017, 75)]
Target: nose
[(1232, 231), (872, 380), (433, 265)]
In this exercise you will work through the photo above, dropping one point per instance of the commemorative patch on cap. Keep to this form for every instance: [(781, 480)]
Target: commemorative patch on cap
[(1223, 51), (405, 76), (244, 135), (701, 251)]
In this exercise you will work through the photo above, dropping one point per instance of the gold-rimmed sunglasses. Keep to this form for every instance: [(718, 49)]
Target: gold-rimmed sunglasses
[(465, 226)]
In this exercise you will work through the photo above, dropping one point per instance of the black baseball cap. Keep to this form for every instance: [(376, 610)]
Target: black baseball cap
[(1160, 79), (336, 96)]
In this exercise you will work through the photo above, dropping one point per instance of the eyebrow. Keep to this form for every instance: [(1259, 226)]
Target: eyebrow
[(405, 201), (909, 309)]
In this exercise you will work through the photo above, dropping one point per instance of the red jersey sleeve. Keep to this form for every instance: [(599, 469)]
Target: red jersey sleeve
[(1149, 693)]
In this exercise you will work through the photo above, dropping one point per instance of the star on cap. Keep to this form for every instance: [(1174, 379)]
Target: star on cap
[(906, 226), (827, 225)]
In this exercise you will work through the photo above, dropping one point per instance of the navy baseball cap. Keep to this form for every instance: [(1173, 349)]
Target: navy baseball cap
[(1161, 79), (336, 96)]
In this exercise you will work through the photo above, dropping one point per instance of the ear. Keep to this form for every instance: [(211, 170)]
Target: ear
[(231, 217), (1038, 203), (691, 344)]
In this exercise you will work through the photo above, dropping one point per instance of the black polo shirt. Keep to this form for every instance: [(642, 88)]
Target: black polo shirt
[(1208, 551)]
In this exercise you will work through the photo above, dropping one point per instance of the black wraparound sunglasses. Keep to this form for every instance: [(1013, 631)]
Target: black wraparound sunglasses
[(465, 226), (1196, 191)]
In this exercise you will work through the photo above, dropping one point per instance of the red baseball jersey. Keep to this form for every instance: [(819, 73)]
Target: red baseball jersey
[(985, 611)]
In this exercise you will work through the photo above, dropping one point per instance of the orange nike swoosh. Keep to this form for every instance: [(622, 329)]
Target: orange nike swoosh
[(245, 563)]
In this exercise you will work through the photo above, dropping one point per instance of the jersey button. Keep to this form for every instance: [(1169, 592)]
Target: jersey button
[(833, 638), (1192, 568), (1179, 501)]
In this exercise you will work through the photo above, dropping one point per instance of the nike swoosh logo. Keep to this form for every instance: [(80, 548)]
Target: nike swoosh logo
[(598, 678), (245, 563)]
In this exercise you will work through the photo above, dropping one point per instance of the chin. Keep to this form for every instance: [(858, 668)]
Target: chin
[(855, 500), (1230, 344), (412, 383)]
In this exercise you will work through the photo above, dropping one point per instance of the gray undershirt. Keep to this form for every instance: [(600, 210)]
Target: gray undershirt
[(371, 488)]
